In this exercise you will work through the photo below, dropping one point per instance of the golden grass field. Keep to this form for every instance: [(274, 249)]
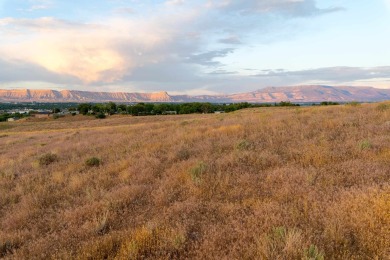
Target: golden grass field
[(264, 183)]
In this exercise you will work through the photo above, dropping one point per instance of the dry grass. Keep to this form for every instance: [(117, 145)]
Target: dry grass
[(270, 183)]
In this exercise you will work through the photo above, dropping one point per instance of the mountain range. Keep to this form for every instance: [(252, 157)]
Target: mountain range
[(312, 93)]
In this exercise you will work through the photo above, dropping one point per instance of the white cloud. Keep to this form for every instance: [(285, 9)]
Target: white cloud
[(175, 2), (93, 53)]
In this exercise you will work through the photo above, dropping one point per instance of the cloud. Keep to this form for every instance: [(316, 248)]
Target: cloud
[(11, 71), (231, 40), (124, 10), (91, 52), (175, 2), (330, 74), (174, 44), (208, 58), (296, 8)]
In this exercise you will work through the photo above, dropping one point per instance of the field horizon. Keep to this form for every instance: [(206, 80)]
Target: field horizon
[(259, 183)]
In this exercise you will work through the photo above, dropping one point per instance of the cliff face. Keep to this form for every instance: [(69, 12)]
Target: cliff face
[(27, 95), (274, 94), (314, 94)]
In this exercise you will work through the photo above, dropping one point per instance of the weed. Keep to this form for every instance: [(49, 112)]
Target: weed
[(47, 159), (243, 145), (93, 162), (312, 253), (198, 171), (6, 248), (183, 154), (364, 145), (101, 226)]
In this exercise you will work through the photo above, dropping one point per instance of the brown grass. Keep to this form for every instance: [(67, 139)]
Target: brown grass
[(269, 183)]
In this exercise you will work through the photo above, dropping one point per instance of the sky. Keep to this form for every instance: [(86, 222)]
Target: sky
[(193, 46)]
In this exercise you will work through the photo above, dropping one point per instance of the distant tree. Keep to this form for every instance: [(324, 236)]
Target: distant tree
[(84, 108), (111, 108), (121, 108), (56, 110)]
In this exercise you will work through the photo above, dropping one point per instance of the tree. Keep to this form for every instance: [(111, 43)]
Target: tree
[(84, 108)]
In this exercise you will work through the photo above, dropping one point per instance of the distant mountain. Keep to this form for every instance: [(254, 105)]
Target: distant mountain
[(314, 93), (27, 95)]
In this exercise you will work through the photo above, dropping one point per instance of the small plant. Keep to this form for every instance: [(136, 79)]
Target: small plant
[(197, 172), (93, 162), (101, 224), (6, 247), (365, 144), (243, 145), (183, 154), (47, 159), (312, 253)]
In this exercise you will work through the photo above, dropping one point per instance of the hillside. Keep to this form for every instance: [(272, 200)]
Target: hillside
[(28, 95), (315, 93), (263, 183)]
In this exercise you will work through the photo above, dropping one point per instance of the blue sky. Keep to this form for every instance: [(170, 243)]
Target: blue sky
[(193, 46)]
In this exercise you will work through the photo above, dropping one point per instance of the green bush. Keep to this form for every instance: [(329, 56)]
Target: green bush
[(197, 171), (312, 253), (243, 145), (100, 116), (329, 103), (353, 104), (365, 144), (47, 159), (93, 162)]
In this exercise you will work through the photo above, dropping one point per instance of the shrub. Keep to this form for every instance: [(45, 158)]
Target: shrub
[(6, 247), (56, 116), (281, 244), (243, 145), (183, 154), (383, 107), (197, 171), (93, 162), (329, 103), (47, 159), (312, 253), (100, 116), (365, 144), (353, 104), (101, 226)]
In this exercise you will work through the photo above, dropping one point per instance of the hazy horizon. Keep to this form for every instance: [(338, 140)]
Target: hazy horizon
[(193, 47)]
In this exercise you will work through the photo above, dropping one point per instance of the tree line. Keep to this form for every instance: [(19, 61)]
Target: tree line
[(141, 109)]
